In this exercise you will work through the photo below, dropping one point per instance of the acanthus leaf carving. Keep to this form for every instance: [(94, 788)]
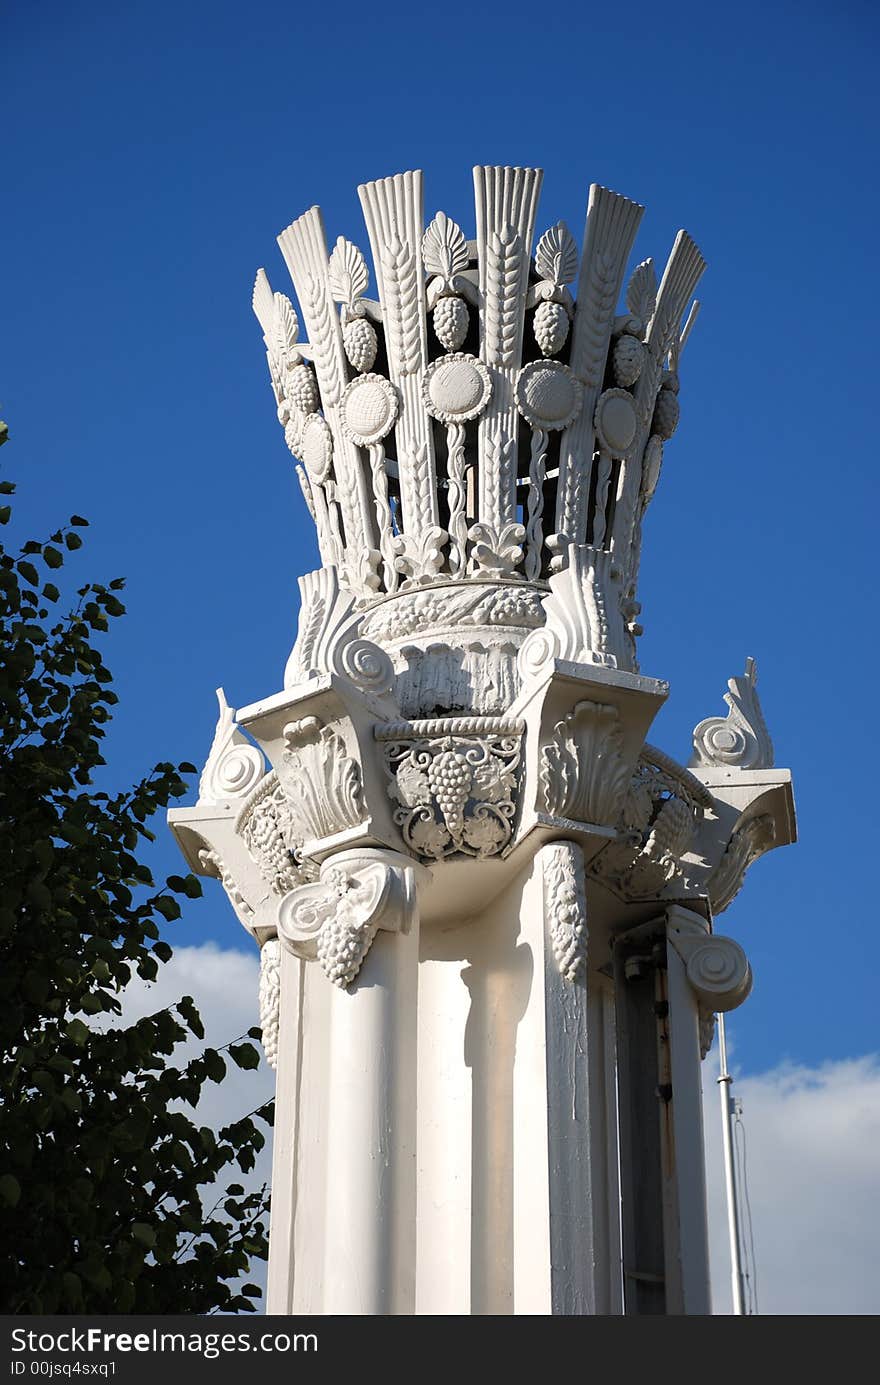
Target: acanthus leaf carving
[(741, 738), (496, 552), (321, 780), (556, 256), (748, 842), (584, 772), (584, 624), (565, 907), (444, 250)]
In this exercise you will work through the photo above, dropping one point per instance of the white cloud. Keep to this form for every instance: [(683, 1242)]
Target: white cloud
[(224, 984), (813, 1136)]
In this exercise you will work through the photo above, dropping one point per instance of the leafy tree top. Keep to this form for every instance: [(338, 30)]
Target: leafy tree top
[(103, 1173)]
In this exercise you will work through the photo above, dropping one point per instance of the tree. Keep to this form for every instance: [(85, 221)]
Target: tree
[(101, 1169)]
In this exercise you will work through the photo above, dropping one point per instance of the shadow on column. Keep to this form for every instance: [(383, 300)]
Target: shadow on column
[(499, 991)]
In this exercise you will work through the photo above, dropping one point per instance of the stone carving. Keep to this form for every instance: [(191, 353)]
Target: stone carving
[(265, 825), (337, 918), (748, 842), (328, 640), (707, 1024), (455, 781), (212, 864), (719, 972), (349, 278), (565, 907), (457, 389), (323, 613), (741, 738), (611, 403), (473, 675), (446, 257), (584, 624), (393, 212), (584, 773), (659, 819), (270, 998), (472, 605), (234, 765), (321, 781), (556, 264), (717, 968)]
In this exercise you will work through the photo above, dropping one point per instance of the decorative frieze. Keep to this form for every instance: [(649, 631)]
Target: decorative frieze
[(455, 781), (450, 607)]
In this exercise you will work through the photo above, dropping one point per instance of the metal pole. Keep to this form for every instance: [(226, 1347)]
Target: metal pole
[(725, 1082)]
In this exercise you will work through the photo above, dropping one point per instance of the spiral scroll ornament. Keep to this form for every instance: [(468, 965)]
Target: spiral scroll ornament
[(720, 973)]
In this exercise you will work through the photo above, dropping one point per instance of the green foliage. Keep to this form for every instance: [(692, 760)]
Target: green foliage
[(101, 1169)]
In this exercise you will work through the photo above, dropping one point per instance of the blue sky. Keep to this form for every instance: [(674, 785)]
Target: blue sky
[(153, 151)]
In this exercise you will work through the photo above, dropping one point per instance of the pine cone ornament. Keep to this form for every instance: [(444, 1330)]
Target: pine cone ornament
[(628, 358), (672, 831), (451, 322), (666, 414), (301, 389), (550, 327), (359, 340)]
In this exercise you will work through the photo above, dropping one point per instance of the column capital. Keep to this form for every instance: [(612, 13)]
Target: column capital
[(335, 918)]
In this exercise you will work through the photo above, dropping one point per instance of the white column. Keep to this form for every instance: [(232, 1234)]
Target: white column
[(687, 1238), (370, 1209)]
